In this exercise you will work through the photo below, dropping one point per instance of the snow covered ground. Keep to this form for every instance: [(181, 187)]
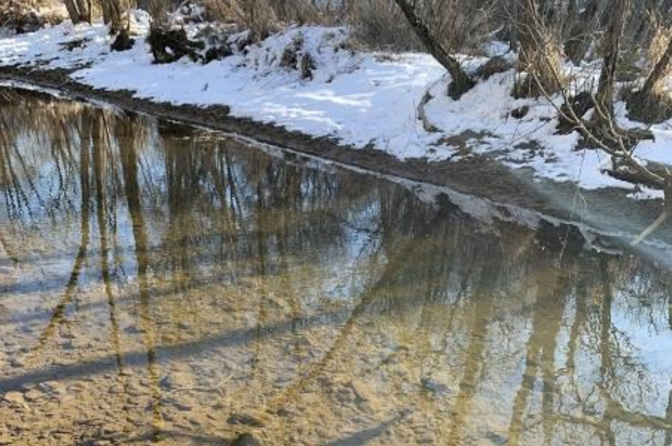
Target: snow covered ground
[(359, 98)]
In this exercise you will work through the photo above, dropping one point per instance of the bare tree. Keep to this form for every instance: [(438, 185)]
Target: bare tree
[(582, 30), (652, 104), (112, 12), (79, 10), (461, 81), (611, 49), (660, 71), (539, 51)]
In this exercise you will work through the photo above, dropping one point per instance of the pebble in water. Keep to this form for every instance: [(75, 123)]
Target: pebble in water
[(14, 398), (246, 440), (245, 419)]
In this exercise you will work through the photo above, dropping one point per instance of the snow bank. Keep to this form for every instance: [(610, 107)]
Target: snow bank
[(360, 98)]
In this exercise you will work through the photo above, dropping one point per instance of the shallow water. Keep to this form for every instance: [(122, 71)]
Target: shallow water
[(166, 285)]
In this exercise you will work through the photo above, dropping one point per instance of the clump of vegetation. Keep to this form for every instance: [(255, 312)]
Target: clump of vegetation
[(123, 41), (171, 45), (22, 16), (295, 57)]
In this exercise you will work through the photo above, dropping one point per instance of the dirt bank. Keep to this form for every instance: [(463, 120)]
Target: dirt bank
[(603, 209)]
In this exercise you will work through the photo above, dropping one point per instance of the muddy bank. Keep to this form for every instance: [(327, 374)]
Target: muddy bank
[(607, 209)]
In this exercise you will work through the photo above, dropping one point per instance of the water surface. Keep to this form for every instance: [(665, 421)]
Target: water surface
[(161, 285)]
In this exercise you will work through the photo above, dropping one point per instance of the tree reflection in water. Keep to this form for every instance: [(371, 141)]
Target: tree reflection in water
[(171, 280)]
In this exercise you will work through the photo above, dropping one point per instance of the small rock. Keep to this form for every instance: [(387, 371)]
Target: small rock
[(33, 395), (246, 440), (28, 386), (362, 391), (496, 439), (181, 406), (17, 363), (177, 380), (245, 419), (434, 386), (282, 412), (521, 112), (14, 398), (53, 388)]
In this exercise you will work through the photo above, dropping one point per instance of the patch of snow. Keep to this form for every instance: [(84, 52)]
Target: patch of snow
[(647, 194)]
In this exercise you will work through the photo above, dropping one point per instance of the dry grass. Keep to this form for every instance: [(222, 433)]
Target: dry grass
[(28, 15), (263, 16), (379, 24)]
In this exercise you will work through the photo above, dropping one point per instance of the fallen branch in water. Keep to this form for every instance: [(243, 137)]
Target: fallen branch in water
[(604, 134), (651, 229)]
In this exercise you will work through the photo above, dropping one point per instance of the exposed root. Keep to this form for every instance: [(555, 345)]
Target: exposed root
[(580, 104), (422, 114), (495, 65)]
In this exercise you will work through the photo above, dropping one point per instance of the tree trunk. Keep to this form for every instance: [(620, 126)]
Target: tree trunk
[(84, 7), (571, 18), (582, 31), (461, 81), (112, 15), (660, 71), (73, 11), (539, 55), (652, 104), (611, 50)]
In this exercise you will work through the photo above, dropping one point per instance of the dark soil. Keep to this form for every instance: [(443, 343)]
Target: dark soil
[(123, 42)]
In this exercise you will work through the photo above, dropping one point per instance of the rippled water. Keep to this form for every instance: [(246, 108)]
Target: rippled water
[(166, 285)]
